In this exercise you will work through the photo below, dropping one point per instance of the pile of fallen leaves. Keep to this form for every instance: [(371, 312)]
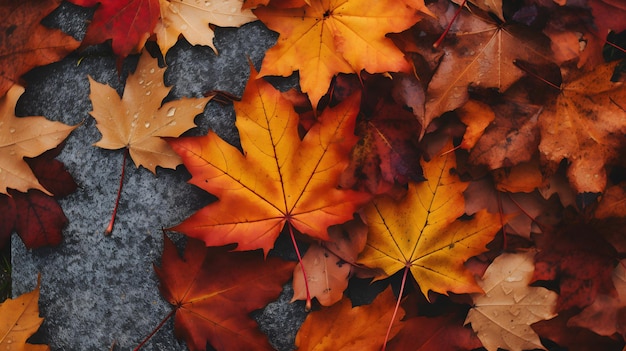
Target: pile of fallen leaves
[(467, 156)]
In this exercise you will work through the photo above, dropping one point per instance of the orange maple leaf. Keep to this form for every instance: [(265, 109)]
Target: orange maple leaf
[(25, 43), (137, 121), (210, 291), (586, 125), (19, 319), (24, 137), (422, 232), (333, 36), (279, 179), (343, 327)]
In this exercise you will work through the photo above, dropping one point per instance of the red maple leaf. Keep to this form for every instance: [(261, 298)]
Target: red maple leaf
[(128, 23), (580, 260), (36, 217)]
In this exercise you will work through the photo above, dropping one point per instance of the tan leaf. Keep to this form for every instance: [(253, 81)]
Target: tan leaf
[(329, 265), (503, 314), (24, 137), (137, 121), (192, 19)]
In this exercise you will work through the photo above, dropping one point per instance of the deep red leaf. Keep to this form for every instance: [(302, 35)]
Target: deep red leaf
[(39, 219), (7, 220), (580, 260)]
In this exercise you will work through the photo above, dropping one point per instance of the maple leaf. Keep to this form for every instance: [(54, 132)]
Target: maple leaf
[(329, 266), (606, 315), (481, 52), (526, 207), (192, 19), (387, 151), (503, 314), (509, 139), (612, 203), (422, 232), (24, 137), (574, 338), (26, 43), (36, 217), (137, 121), (210, 290), (585, 125), (441, 333), (580, 260), (128, 23), (325, 329), (19, 319), (335, 36), (279, 179)]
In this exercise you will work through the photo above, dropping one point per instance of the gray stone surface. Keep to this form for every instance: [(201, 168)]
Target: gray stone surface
[(96, 290)]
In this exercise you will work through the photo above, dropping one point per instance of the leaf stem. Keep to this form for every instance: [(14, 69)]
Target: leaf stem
[(307, 306), (144, 341), (445, 32), (395, 310), (119, 193)]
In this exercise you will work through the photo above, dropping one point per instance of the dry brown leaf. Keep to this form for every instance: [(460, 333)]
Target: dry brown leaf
[(585, 125), (329, 265), (480, 52), (503, 314)]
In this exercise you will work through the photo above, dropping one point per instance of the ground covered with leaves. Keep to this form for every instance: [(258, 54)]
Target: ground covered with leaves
[(460, 161)]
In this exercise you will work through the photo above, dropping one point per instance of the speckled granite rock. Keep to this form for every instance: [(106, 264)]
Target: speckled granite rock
[(97, 291)]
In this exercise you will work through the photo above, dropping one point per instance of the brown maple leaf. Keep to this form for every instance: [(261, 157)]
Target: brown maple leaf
[(279, 180), (26, 43), (24, 137), (480, 51), (585, 125), (331, 264), (343, 327), (192, 19), (138, 121), (335, 36), (210, 290), (19, 319)]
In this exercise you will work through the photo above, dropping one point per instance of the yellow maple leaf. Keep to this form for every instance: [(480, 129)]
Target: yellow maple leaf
[(24, 137), (137, 121), (333, 36), (423, 231)]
